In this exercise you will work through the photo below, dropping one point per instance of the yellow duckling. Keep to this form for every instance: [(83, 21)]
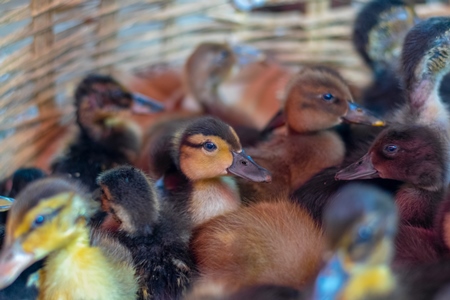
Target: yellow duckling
[(49, 220)]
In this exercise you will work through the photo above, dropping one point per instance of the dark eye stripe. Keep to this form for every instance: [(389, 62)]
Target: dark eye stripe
[(192, 145)]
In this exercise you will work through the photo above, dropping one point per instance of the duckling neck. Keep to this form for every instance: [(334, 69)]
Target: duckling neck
[(213, 197), (417, 206), (78, 271)]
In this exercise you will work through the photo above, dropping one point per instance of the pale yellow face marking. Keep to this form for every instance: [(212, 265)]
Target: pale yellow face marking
[(54, 233)]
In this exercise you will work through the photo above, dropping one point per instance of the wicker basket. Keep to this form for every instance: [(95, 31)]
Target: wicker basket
[(47, 45)]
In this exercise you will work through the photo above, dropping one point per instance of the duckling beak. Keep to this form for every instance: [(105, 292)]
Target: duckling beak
[(13, 261), (362, 169), (357, 114), (244, 166), (246, 54), (5, 203), (277, 121), (145, 105)]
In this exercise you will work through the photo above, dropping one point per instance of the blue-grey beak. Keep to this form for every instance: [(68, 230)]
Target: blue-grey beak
[(145, 105), (5, 203)]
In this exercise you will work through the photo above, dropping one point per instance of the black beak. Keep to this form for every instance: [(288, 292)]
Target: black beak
[(244, 166)]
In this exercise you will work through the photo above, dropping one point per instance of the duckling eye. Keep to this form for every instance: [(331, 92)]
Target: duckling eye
[(391, 149), (328, 97), (222, 56), (38, 221), (209, 146), (364, 234)]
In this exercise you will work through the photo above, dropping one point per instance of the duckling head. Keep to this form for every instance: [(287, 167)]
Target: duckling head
[(45, 217), (210, 64), (108, 113), (379, 31), (130, 198), (318, 98), (426, 59), (411, 154), (360, 225), (209, 148)]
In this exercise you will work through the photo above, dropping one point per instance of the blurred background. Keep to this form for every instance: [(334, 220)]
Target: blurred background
[(46, 46)]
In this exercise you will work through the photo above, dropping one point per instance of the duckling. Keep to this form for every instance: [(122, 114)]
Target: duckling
[(107, 136), (268, 242), (76, 267), (422, 71), (199, 154), (378, 34), (414, 155), (317, 99), (360, 226), (246, 99), (156, 235)]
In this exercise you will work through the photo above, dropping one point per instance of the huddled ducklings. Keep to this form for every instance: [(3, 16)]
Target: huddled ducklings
[(49, 220), (153, 231)]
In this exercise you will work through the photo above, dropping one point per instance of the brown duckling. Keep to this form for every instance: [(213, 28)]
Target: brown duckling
[(317, 99), (247, 98), (196, 158), (48, 220), (154, 232), (107, 136), (273, 242)]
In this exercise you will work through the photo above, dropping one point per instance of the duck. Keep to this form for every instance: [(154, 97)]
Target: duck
[(197, 161), (423, 108), (360, 226), (266, 243), (78, 264), (154, 232), (108, 134), (237, 83), (317, 99)]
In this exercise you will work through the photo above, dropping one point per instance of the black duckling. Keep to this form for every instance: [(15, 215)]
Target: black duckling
[(378, 34), (107, 136), (360, 225), (196, 159), (155, 233)]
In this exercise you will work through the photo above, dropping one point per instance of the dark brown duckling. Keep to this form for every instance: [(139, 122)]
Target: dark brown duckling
[(154, 232), (107, 134), (415, 155), (196, 158)]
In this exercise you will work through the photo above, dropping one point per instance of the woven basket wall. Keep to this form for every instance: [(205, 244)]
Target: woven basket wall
[(46, 46)]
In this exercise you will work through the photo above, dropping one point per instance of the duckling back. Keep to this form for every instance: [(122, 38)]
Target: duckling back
[(268, 242)]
